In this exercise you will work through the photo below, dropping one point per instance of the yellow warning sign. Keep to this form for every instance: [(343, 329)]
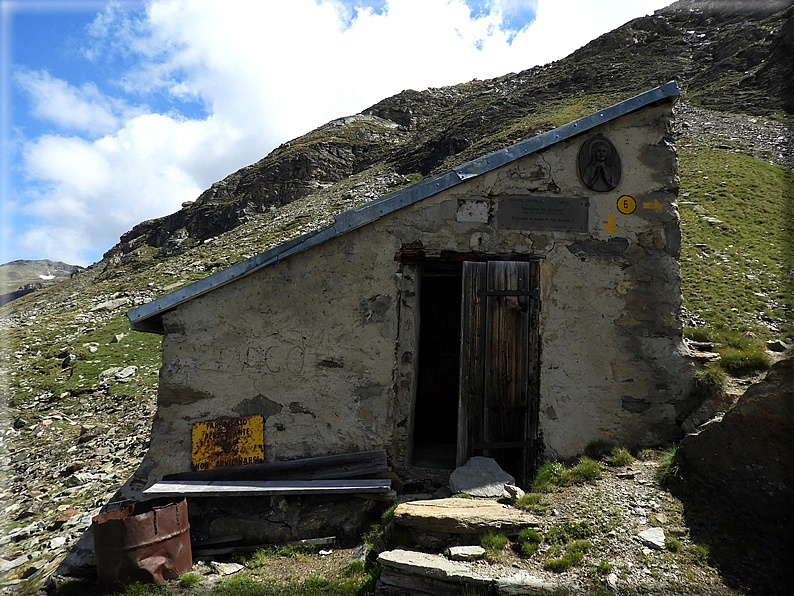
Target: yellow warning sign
[(627, 205), (227, 442)]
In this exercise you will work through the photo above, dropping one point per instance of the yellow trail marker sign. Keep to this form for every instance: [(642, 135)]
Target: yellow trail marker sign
[(626, 204), (227, 442), (610, 225)]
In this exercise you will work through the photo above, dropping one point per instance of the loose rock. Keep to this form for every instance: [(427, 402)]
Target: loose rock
[(653, 537), (480, 477)]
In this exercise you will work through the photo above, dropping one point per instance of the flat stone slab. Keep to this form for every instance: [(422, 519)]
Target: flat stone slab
[(463, 516), (429, 565), (406, 571)]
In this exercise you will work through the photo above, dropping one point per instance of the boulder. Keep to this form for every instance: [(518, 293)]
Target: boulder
[(480, 477), (746, 457)]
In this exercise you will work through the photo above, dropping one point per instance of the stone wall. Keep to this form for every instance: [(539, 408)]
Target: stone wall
[(324, 344)]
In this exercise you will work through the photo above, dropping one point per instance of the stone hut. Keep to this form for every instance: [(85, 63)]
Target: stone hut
[(523, 304)]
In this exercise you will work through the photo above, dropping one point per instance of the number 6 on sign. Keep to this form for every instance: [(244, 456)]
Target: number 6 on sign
[(626, 204)]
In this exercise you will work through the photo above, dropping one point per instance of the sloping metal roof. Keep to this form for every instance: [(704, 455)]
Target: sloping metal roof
[(147, 317)]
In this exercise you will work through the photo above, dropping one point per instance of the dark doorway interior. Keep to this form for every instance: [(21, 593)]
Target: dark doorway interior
[(436, 410)]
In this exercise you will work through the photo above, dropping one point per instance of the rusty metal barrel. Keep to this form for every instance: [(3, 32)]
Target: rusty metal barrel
[(147, 542)]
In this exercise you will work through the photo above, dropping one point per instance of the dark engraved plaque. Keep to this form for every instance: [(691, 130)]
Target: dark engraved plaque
[(599, 164), (557, 214)]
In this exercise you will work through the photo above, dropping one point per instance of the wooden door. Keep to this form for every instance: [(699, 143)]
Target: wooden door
[(499, 374)]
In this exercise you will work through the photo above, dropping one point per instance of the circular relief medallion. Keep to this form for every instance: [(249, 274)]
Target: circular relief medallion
[(599, 164)]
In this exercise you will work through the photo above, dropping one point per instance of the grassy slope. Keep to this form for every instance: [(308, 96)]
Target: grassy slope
[(736, 273)]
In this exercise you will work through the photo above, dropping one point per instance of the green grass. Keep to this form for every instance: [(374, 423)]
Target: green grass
[(569, 531), (262, 556), (585, 471), (550, 476), (603, 567), (245, 585), (189, 580), (609, 453), (528, 541), (672, 544), (554, 475), (533, 502), (388, 514), (138, 589), (740, 353), (708, 382), (494, 543), (572, 554), (741, 363), (737, 271), (670, 469), (619, 456)]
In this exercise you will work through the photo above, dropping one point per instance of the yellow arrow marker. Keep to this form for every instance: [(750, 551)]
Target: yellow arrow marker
[(656, 205), (610, 226)]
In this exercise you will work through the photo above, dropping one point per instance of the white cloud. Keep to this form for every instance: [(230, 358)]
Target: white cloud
[(84, 110), (266, 72), (563, 26)]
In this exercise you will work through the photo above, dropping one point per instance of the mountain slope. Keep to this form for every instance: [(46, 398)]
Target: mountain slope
[(17, 274), (737, 61), (74, 428)]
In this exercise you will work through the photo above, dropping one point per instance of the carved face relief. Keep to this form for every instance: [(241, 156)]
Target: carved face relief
[(599, 164)]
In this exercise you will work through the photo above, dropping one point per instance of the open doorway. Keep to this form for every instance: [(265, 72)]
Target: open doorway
[(436, 408)]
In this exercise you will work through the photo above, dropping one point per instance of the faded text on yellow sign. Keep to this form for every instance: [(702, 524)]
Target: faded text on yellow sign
[(227, 442)]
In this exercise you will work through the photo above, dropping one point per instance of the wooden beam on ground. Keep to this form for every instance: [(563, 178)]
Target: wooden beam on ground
[(325, 467), (240, 488)]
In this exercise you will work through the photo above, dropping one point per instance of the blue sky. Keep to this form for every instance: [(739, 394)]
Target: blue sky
[(117, 112)]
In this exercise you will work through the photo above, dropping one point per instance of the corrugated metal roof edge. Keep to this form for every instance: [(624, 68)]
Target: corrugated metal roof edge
[(140, 317)]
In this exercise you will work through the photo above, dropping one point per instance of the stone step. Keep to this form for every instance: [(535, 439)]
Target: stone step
[(463, 516), (412, 572), (406, 572)]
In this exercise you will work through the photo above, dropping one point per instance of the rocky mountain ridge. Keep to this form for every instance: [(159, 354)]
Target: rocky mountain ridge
[(20, 277), (731, 55)]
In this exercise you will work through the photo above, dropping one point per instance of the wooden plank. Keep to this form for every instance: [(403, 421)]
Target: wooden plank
[(471, 350), (214, 488), (533, 374), (325, 467), (507, 308)]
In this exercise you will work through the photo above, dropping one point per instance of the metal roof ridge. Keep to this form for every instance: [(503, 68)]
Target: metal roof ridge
[(360, 215)]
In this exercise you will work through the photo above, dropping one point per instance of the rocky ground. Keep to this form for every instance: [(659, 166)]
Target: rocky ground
[(71, 467), (640, 544), (761, 137)]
